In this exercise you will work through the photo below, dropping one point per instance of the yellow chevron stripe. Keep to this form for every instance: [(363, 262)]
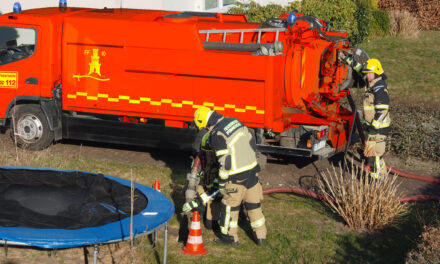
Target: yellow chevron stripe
[(168, 101)]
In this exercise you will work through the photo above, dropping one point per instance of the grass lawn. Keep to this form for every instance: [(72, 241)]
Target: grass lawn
[(301, 230), (412, 65)]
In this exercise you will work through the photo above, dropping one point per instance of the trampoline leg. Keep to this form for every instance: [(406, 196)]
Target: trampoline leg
[(155, 238), (165, 244), (6, 248), (95, 254)]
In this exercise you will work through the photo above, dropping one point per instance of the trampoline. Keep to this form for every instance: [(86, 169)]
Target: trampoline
[(55, 209)]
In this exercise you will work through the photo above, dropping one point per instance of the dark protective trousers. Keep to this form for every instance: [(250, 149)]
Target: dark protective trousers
[(377, 163), (230, 208)]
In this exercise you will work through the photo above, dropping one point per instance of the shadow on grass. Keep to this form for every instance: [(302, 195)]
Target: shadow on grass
[(389, 245)]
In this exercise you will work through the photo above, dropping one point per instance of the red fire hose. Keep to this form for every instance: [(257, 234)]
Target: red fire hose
[(413, 176), (324, 198)]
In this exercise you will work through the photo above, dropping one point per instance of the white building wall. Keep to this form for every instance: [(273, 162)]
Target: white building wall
[(178, 5), (7, 5)]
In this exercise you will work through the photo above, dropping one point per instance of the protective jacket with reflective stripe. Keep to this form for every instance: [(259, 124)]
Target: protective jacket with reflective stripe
[(376, 107), (235, 149)]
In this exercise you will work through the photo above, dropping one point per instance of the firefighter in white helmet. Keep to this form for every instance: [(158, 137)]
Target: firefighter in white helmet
[(376, 116), (235, 149)]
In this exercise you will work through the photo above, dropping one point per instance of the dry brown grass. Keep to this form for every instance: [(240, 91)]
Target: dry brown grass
[(362, 202), (428, 248), (403, 24)]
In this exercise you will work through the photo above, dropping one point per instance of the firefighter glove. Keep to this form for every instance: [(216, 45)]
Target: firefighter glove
[(189, 206), (370, 147), (366, 125)]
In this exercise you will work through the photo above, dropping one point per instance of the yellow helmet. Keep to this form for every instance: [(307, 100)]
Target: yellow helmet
[(373, 65), (201, 116)]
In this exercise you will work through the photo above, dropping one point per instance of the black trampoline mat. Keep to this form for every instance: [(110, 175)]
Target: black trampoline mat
[(63, 200)]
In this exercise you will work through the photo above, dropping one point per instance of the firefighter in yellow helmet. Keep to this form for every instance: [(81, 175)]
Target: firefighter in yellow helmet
[(235, 149), (376, 116)]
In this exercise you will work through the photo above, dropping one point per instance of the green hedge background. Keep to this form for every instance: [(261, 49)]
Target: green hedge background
[(360, 18)]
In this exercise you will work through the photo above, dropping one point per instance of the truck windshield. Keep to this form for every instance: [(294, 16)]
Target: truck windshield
[(16, 43)]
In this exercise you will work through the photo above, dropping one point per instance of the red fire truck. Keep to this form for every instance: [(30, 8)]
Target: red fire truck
[(136, 77)]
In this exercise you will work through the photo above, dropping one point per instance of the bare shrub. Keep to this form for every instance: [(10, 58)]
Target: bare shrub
[(403, 24), (428, 248), (363, 203)]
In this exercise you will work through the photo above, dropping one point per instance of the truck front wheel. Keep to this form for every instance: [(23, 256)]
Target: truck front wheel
[(30, 129)]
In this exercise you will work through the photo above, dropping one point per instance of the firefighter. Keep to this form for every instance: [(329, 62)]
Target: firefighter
[(376, 116), (235, 149), (208, 207)]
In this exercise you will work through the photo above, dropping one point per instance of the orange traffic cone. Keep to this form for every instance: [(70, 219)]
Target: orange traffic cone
[(156, 185), (194, 245)]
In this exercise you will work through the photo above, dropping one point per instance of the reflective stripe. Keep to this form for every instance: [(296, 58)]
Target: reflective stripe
[(205, 139), (223, 174), (233, 224), (204, 197), (232, 147), (245, 168), (377, 161), (374, 175), (222, 152), (381, 106), (224, 229), (369, 107), (194, 240), (376, 124), (258, 223)]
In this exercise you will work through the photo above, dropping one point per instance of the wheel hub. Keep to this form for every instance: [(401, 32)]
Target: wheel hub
[(29, 128)]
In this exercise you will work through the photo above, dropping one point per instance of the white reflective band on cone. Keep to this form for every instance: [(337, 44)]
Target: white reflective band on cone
[(195, 225), (194, 240)]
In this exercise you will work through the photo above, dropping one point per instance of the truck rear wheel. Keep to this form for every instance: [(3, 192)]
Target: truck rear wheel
[(30, 129)]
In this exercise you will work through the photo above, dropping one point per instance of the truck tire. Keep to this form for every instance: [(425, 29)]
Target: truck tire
[(30, 129)]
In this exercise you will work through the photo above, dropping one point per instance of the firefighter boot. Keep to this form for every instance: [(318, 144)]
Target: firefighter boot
[(258, 241), (226, 240)]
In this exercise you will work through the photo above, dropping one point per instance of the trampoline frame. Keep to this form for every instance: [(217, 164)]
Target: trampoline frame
[(154, 231)]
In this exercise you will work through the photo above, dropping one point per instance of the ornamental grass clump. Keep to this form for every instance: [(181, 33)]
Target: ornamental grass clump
[(363, 202)]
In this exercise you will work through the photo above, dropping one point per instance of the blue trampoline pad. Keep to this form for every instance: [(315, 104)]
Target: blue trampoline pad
[(52, 208)]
